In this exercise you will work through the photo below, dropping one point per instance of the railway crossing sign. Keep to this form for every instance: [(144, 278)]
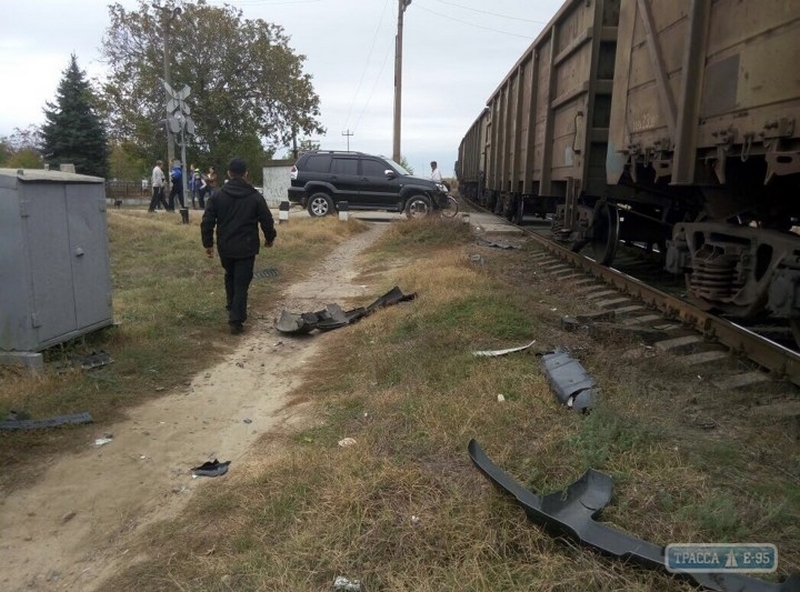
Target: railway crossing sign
[(179, 110)]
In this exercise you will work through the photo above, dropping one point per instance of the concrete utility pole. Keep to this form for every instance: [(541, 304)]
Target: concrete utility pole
[(348, 133), (167, 14), (398, 77)]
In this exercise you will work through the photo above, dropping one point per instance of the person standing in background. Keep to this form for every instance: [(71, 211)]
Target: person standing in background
[(209, 185), (176, 177), (157, 181), (191, 187), (436, 176), (196, 180)]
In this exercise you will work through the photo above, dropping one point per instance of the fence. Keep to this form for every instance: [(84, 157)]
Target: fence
[(126, 189)]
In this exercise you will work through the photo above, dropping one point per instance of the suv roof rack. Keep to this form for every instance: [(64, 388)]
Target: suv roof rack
[(333, 152)]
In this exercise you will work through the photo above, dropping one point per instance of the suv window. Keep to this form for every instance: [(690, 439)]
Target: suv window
[(319, 163), (373, 168), (345, 166)]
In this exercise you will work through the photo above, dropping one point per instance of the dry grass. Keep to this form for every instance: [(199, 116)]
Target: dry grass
[(404, 509)]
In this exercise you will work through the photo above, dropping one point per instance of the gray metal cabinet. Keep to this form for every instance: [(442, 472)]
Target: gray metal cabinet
[(55, 275)]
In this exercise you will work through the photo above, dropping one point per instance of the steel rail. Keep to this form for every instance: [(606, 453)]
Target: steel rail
[(783, 363)]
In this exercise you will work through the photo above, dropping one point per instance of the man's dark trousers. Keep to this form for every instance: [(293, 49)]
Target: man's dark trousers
[(158, 196), (238, 275), (177, 190)]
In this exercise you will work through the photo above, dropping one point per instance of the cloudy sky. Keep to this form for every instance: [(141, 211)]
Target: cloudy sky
[(455, 53)]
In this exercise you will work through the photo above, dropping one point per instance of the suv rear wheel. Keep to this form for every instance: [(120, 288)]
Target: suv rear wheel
[(418, 206), (320, 204)]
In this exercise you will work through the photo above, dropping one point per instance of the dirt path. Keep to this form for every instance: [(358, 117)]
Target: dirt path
[(71, 529)]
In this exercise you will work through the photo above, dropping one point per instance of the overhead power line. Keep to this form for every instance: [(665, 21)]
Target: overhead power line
[(513, 18), (374, 84), (240, 3), (451, 18), (366, 64)]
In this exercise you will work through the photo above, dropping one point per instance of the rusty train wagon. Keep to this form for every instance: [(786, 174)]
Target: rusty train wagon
[(670, 124)]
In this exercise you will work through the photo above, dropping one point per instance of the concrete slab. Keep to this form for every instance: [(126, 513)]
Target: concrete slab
[(740, 380), (32, 360), (669, 344)]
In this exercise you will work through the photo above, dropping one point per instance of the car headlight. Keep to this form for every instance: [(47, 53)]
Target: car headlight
[(441, 188)]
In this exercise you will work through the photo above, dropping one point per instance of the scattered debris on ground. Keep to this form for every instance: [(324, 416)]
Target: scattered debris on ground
[(572, 513), (343, 584), (51, 422), (211, 469), (496, 244), (94, 360), (333, 317), (501, 352), (570, 382), (106, 439)]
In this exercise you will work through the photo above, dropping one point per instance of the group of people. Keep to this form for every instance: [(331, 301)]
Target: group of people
[(199, 186)]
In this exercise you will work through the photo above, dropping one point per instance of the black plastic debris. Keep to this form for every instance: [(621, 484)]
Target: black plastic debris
[(14, 415), (572, 513), (498, 245), (570, 382), (569, 324), (393, 296), (94, 360), (265, 273), (299, 323), (211, 468), (337, 317), (52, 422), (333, 317)]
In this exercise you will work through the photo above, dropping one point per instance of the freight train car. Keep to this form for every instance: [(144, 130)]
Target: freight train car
[(546, 125), (674, 124), (471, 163)]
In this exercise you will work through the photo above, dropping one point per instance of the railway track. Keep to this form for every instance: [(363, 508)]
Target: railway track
[(639, 294)]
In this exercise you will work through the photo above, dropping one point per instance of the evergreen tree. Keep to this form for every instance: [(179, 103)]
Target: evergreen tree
[(73, 133)]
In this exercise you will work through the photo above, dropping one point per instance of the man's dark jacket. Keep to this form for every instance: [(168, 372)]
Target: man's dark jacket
[(236, 210)]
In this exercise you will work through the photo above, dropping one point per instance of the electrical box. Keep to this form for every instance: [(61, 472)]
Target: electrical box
[(55, 273)]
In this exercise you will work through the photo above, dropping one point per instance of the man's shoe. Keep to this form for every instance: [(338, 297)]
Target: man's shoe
[(237, 328)]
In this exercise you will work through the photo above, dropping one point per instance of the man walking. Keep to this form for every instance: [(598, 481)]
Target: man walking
[(157, 180), (236, 211)]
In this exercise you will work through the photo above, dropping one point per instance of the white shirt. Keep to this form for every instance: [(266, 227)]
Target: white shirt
[(158, 177), (436, 175)]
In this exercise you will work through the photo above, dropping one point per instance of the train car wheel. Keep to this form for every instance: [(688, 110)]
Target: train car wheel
[(605, 233)]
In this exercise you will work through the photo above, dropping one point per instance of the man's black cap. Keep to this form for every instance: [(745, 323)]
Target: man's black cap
[(237, 166)]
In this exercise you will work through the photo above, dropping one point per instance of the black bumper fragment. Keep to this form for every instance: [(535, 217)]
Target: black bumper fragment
[(333, 317), (572, 512), (569, 380)]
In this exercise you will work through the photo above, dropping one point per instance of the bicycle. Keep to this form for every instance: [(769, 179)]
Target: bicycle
[(451, 208)]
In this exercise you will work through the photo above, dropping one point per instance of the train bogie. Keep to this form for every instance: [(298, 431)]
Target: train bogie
[(704, 110)]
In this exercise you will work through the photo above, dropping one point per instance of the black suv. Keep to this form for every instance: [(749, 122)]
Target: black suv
[(323, 179)]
